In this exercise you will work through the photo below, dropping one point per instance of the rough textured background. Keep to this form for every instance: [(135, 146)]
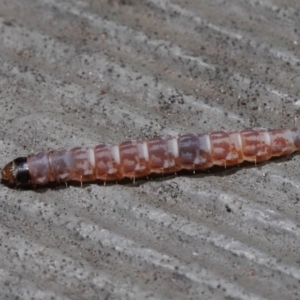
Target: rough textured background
[(83, 72)]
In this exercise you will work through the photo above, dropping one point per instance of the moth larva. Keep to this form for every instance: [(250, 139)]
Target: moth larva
[(139, 158)]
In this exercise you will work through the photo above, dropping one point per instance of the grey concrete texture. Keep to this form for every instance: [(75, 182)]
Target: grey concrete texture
[(80, 72)]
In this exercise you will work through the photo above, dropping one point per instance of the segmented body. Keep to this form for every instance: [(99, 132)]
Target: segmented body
[(139, 158)]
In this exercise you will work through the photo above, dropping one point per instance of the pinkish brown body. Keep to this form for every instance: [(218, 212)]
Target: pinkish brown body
[(139, 158)]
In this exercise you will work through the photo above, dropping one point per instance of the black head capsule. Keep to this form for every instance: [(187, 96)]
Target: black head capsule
[(16, 171)]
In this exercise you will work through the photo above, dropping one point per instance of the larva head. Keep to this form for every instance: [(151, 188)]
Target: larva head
[(16, 171)]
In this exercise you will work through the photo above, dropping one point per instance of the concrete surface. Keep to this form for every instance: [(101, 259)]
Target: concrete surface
[(84, 72)]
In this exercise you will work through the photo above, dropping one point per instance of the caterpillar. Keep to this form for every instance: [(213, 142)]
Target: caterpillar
[(139, 158)]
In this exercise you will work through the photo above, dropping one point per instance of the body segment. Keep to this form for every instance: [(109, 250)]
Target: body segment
[(139, 158)]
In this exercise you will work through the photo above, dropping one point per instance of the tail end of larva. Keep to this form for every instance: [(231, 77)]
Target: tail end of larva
[(296, 138)]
